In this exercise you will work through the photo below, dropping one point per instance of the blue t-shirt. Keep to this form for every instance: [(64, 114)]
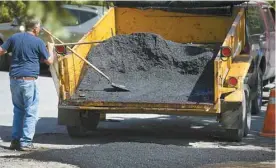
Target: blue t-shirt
[(27, 50)]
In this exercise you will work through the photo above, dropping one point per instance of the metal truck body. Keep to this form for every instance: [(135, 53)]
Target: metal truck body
[(234, 79)]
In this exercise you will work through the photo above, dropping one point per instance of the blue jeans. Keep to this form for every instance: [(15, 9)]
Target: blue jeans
[(25, 112)]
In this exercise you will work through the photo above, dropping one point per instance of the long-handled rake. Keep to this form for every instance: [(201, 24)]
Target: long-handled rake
[(114, 85)]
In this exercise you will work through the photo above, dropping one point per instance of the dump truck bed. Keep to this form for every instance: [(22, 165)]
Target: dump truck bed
[(154, 70), (173, 61), (169, 61)]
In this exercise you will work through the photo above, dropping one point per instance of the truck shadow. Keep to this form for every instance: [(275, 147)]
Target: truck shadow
[(161, 130), (176, 130), (166, 129), (157, 140)]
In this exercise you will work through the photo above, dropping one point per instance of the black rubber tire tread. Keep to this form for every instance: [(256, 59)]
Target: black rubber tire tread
[(76, 131), (234, 118), (256, 107), (90, 120), (248, 114)]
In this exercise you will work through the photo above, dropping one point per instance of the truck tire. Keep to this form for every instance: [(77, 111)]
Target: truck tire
[(236, 118), (257, 101), (76, 131), (248, 114), (88, 122)]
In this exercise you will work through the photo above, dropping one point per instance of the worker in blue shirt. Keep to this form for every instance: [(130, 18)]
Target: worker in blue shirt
[(27, 52)]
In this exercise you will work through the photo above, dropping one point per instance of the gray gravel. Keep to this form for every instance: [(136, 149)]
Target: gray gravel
[(159, 141), (152, 68), (29, 163), (146, 155)]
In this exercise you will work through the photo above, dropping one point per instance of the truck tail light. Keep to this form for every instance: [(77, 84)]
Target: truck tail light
[(60, 49), (226, 51), (232, 81)]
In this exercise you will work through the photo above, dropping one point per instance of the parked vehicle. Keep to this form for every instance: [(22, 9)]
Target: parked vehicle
[(261, 31), (82, 19), (261, 36)]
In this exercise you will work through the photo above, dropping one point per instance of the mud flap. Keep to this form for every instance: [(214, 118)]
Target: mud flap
[(236, 117), (230, 116), (87, 119)]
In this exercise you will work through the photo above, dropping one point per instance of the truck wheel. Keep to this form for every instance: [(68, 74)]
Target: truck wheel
[(236, 118), (257, 101), (76, 131), (90, 120), (248, 115)]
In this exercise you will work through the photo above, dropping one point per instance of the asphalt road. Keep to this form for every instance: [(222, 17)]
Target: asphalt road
[(132, 140)]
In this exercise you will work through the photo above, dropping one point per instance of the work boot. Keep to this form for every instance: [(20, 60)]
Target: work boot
[(15, 145), (28, 147)]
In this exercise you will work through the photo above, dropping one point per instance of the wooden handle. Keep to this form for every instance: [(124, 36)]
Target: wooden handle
[(91, 65), (81, 43)]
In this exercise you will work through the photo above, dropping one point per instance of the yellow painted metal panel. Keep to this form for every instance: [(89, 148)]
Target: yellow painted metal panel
[(145, 110), (104, 29), (140, 104), (178, 27), (143, 107), (239, 69), (235, 39), (235, 96)]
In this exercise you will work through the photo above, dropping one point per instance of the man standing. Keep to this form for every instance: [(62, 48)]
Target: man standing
[(27, 51)]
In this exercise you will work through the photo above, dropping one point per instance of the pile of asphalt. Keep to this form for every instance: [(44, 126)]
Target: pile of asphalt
[(155, 70)]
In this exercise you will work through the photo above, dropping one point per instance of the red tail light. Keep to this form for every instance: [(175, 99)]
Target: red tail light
[(226, 52), (61, 49), (232, 81)]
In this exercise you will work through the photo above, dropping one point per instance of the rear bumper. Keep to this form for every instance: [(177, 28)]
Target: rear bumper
[(156, 108)]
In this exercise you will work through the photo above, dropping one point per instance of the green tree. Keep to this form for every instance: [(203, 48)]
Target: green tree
[(272, 3), (48, 12), (11, 9)]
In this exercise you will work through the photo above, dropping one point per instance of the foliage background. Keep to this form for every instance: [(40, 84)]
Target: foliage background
[(47, 11), (11, 9)]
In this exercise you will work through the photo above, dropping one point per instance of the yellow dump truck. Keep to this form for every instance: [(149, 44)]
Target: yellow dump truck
[(229, 96)]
